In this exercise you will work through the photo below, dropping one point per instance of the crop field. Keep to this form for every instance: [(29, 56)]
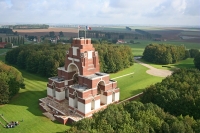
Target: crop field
[(42, 32)]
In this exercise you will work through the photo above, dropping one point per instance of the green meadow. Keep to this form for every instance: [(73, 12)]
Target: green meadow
[(187, 63), (135, 83), (25, 106)]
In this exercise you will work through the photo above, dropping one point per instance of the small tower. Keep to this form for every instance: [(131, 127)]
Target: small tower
[(80, 81)]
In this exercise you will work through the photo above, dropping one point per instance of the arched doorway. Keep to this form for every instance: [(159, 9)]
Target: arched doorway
[(73, 70), (100, 87)]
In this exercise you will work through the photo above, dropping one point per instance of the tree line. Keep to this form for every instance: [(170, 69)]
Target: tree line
[(45, 59), (165, 54), (11, 81), (41, 59), (15, 40), (114, 58), (29, 26)]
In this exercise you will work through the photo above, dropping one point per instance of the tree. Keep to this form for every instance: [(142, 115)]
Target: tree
[(4, 88), (51, 34), (197, 61), (61, 34), (193, 52), (12, 81)]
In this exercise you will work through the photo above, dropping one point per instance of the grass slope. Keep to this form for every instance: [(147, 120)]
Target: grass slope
[(25, 106), (135, 83), (188, 63)]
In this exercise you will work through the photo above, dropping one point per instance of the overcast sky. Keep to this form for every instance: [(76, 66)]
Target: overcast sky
[(142, 12)]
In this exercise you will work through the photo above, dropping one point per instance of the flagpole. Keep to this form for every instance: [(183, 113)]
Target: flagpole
[(85, 32), (78, 31)]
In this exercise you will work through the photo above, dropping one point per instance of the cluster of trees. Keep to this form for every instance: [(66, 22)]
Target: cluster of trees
[(164, 54), (44, 59), (147, 34), (177, 94), (128, 28), (135, 117), (195, 53), (15, 40), (29, 26), (41, 59), (114, 58), (8, 31), (197, 61), (11, 81)]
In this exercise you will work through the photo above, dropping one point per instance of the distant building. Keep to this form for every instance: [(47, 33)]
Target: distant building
[(120, 41), (2, 44), (80, 89)]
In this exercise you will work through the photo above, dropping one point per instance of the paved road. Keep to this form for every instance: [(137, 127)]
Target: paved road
[(154, 71)]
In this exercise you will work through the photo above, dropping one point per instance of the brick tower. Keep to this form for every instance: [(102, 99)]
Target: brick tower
[(80, 81)]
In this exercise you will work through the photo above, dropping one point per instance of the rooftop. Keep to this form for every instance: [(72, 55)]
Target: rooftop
[(58, 79)]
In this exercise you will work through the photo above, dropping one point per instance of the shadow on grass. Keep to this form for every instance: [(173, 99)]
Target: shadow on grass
[(30, 99), (135, 92), (184, 65)]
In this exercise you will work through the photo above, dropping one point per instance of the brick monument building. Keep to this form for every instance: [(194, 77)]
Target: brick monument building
[(80, 84)]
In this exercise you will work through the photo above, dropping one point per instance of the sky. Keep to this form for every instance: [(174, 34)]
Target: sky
[(131, 12)]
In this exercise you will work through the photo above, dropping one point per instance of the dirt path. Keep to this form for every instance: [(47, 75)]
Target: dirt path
[(154, 71)]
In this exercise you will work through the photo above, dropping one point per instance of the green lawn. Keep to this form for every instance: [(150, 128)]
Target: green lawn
[(135, 83), (188, 63), (25, 106)]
